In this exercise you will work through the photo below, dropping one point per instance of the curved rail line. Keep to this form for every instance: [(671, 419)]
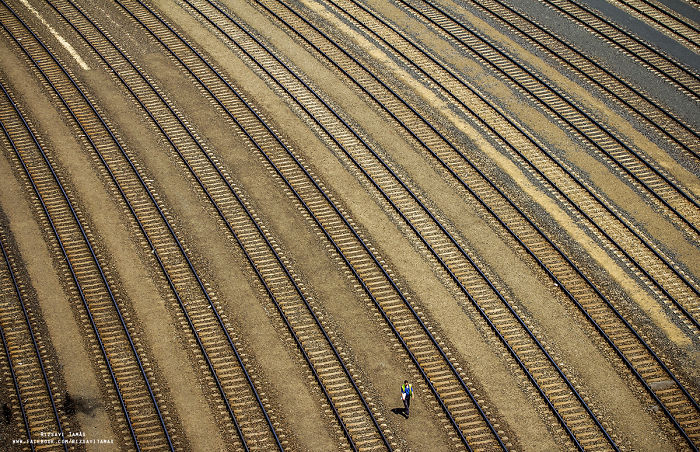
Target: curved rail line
[(653, 59), (101, 307), (242, 246), (407, 201), (416, 222), (591, 296), (270, 267), (665, 20), (593, 292), (651, 111), (534, 155), (34, 387), (15, 386), (194, 319), (629, 162), (208, 333), (372, 276), (614, 152)]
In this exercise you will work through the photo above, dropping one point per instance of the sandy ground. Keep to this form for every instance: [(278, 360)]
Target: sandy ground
[(283, 376)]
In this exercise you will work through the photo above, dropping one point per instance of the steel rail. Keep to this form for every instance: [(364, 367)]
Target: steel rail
[(35, 345), (486, 206), (442, 137), (471, 164), (82, 231), (420, 236), (506, 142), (258, 227), (599, 66), (124, 196), (162, 214), (559, 114), (655, 252), (151, 245), (684, 194), (689, 91), (337, 210), (676, 16), (539, 172), (14, 379), (661, 23), (290, 94), (66, 258), (206, 294), (524, 216)]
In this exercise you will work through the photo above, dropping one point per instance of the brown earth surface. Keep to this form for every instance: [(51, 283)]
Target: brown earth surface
[(377, 358)]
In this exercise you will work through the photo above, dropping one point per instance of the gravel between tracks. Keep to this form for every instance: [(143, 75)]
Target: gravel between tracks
[(299, 409)]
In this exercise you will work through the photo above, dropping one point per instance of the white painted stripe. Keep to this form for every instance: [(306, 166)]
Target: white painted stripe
[(63, 42)]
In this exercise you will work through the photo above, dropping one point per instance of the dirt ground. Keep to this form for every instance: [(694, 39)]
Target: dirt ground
[(304, 419)]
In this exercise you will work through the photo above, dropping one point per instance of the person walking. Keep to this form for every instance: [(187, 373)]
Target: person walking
[(406, 394)]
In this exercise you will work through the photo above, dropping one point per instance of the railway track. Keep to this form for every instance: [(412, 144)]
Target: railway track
[(633, 98), (231, 385), (671, 71), (585, 295), (629, 162), (677, 203), (359, 423), (10, 396), (103, 312), (32, 370), (665, 20), (460, 266), (194, 304), (463, 412), (606, 224)]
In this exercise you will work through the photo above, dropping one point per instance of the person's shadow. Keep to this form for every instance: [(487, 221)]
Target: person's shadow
[(401, 411)]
